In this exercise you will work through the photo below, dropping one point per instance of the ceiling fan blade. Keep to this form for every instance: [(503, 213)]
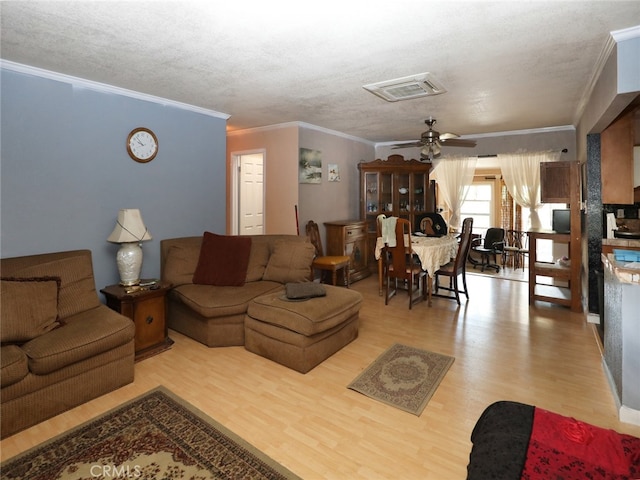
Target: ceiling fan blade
[(407, 145), (448, 136), (455, 142)]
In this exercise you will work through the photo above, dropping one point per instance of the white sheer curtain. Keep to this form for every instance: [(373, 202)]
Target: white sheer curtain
[(454, 175), (521, 173)]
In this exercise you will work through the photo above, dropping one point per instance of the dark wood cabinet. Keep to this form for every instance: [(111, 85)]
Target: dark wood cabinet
[(616, 162), (555, 180), (394, 187), (349, 237)]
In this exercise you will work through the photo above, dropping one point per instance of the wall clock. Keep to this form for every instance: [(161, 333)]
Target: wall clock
[(142, 145)]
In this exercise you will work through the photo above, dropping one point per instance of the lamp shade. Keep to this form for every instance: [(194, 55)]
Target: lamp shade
[(129, 227)]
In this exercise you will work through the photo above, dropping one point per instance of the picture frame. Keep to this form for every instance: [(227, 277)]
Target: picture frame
[(310, 166), (333, 172)]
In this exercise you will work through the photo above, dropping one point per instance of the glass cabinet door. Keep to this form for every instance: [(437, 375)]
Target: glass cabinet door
[(404, 195), (386, 194), (378, 197), (420, 193), (371, 192)]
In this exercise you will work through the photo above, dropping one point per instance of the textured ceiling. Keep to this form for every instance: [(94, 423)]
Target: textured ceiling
[(506, 65)]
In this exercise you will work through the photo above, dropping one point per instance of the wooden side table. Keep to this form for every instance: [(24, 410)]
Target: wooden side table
[(146, 306), (349, 237)]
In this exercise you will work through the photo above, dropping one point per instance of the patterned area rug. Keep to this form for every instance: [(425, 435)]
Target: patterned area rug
[(403, 377), (156, 436)]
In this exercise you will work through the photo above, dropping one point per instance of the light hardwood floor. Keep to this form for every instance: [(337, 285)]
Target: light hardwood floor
[(319, 429)]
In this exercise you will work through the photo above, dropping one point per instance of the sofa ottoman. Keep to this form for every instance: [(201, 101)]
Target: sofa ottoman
[(302, 334)]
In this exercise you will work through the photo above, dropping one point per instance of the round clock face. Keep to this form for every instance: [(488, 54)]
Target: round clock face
[(142, 145)]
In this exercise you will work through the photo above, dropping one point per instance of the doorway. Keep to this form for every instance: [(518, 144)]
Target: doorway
[(247, 210)]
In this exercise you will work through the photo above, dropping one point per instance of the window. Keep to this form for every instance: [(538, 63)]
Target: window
[(479, 206)]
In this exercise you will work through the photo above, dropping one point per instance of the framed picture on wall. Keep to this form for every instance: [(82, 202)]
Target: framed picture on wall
[(334, 172), (310, 166)]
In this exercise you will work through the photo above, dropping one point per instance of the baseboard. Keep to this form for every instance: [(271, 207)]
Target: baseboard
[(612, 384), (625, 414), (629, 415), (593, 318)]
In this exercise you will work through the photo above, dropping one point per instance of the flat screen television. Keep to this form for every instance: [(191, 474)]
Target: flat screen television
[(561, 220)]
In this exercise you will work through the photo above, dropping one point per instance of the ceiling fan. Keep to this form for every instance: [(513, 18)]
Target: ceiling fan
[(432, 141)]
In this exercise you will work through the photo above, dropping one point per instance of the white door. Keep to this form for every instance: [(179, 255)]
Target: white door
[(250, 194)]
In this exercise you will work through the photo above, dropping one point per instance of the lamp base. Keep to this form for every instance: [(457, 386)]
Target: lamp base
[(129, 260)]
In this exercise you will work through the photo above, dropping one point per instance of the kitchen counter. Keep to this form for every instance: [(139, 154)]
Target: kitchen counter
[(621, 243), (622, 273), (622, 336)]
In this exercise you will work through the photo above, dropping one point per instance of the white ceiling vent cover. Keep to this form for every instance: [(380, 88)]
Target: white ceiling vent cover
[(406, 88)]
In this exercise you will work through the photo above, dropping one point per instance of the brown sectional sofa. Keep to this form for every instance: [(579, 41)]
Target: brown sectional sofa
[(60, 345), (214, 315), (256, 311)]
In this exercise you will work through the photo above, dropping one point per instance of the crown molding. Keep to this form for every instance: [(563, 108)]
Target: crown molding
[(298, 124), (105, 88), (626, 33), (613, 39), (597, 71), (266, 128), (530, 131)]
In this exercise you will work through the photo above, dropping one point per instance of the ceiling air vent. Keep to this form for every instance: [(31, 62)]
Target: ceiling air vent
[(406, 88)]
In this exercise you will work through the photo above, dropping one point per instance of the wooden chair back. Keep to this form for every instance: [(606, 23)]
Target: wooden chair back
[(313, 232), (400, 260), (464, 246)]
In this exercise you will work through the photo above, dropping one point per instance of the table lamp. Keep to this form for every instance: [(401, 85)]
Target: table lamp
[(130, 232)]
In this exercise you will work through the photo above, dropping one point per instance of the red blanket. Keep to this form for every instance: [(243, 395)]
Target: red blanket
[(564, 448)]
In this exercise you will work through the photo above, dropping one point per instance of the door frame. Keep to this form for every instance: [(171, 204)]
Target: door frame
[(235, 185)]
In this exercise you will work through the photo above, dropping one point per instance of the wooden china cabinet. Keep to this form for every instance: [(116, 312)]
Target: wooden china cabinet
[(395, 187)]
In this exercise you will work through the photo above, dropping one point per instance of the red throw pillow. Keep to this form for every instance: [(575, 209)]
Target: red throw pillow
[(223, 260)]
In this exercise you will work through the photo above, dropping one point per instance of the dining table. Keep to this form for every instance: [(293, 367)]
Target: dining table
[(433, 253)]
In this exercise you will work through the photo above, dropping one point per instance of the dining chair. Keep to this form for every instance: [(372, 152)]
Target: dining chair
[(403, 265), (524, 250), (515, 248), (491, 246), (327, 263), (457, 267), (382, 262)]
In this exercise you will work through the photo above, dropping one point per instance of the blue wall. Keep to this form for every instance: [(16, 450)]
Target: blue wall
[(65, 171)]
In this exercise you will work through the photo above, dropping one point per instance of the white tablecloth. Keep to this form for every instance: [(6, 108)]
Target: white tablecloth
[(433, 252)]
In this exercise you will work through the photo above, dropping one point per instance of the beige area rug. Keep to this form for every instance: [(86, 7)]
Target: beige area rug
[(156, 436), (403, 377)]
